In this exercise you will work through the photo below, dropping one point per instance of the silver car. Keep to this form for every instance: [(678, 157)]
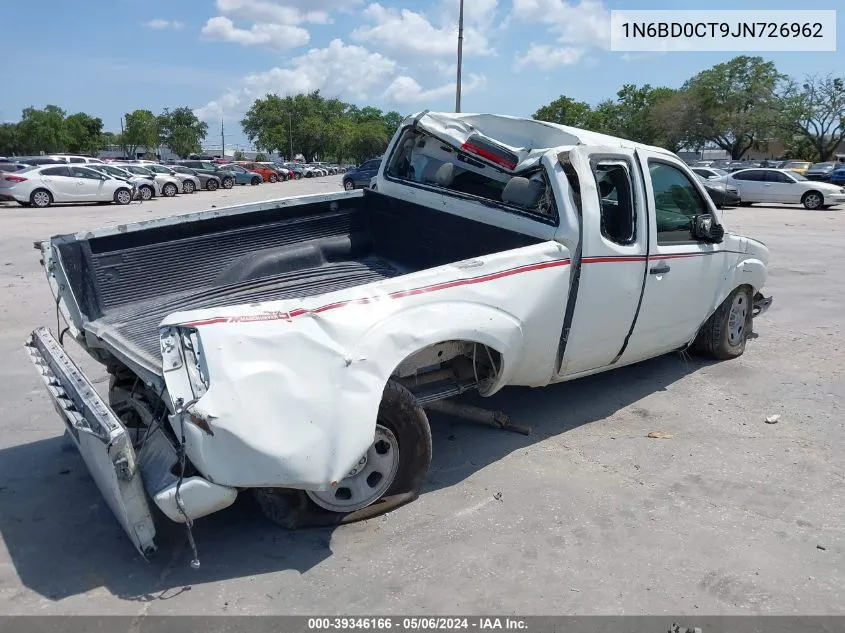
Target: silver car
[(168, 185), (147, 188), (190, 183)]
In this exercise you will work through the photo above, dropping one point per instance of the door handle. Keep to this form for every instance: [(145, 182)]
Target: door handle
[(661, 268)]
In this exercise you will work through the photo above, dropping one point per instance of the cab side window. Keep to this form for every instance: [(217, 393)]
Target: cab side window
[(617, 202), (676, 203)]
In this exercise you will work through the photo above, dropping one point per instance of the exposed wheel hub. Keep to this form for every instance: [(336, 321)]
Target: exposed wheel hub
[(368, 480), (737, 318)]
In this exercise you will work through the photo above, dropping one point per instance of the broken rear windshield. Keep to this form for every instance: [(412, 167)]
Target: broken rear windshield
[(427, 161)]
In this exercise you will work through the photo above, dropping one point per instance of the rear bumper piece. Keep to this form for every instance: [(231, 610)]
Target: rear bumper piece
[(99, 435), (761, 304), (106, 447)]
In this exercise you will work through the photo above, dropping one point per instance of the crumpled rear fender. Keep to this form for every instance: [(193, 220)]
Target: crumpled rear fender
[(294, 405)]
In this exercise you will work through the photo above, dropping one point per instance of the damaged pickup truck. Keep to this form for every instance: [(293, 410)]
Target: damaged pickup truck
[(290, 348)]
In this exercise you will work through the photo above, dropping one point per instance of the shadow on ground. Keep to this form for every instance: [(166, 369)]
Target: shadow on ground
[(63, 540)]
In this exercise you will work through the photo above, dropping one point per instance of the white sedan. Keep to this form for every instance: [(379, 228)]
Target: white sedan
[(784, 186), (42, 186)]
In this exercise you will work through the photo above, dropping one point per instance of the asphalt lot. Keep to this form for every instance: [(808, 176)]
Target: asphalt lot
[(586, 516)]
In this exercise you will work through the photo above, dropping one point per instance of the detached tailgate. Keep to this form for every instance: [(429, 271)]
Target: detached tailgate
[(99, 435)]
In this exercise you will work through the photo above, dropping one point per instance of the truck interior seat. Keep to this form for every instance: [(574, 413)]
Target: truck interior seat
[(522, 192)]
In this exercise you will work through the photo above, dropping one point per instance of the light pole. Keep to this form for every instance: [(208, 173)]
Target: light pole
[(460, 56), (290, 133)]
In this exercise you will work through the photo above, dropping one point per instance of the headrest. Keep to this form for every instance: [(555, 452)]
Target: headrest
[(605, 188), (429, 172), (522, 192), (445, 175)]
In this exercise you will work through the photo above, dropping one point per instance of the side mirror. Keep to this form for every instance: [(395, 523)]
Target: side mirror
[(706, 229)]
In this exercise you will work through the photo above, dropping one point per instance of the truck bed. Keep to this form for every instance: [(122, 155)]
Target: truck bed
[(125, 283)]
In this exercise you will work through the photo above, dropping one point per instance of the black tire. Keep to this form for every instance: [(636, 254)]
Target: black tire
[(38, 200), (348, 185), (145, 192), (812, 200), (122, 196), (400, 413), (188, 186), (24, 204), (274, 178), (714, 337), (228, 183), (745, 204), (211, 184), (298, 176), (255, 181), (169, 190)]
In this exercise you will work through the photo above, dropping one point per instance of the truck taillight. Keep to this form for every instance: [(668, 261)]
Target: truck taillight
[(14, 178)]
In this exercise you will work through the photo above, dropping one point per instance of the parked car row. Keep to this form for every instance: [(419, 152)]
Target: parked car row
[(41, 181), (814, 171), (768, 185)]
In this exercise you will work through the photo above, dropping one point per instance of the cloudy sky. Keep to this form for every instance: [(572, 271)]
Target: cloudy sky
[(107, 57)]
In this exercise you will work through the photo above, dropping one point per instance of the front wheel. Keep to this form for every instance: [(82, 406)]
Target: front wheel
[(274, 178), (812, 200), (146, 192), (228, 183), (255, 181), (298, 176), (169, 190), (724, 334), (211, 185), (123, 196), (188, 186), (348, 185)]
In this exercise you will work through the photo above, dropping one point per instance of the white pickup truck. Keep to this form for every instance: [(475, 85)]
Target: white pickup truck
[(291, 347)]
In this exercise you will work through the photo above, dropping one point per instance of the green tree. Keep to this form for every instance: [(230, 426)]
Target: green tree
[(84, 133), (735, 103), (238, 155), (634, 109), (141, 129), (261, 157), (604, 118), (10, 140), (814, 111), (312, 125), (393, 121), (564, 111), (182, 131), (109, 139), (673, 121), (43, 130)]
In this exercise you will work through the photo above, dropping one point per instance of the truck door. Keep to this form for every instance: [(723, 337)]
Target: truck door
[(685, 275), (614, 246)]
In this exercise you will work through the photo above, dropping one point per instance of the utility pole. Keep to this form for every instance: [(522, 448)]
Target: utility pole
[(460, 56), (222, 140), (290, 133)]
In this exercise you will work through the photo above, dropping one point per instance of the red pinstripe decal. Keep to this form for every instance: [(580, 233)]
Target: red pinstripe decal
[(399, 294), (609, 260)]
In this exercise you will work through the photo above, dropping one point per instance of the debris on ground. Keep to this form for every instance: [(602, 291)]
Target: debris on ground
[(821, 547), (657, 435), (773, 419), (498, 496)]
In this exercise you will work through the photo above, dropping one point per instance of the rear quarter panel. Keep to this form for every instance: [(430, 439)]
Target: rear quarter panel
[(295, 385)]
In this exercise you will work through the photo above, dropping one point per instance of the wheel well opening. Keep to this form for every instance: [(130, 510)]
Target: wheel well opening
[(448, 368)]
